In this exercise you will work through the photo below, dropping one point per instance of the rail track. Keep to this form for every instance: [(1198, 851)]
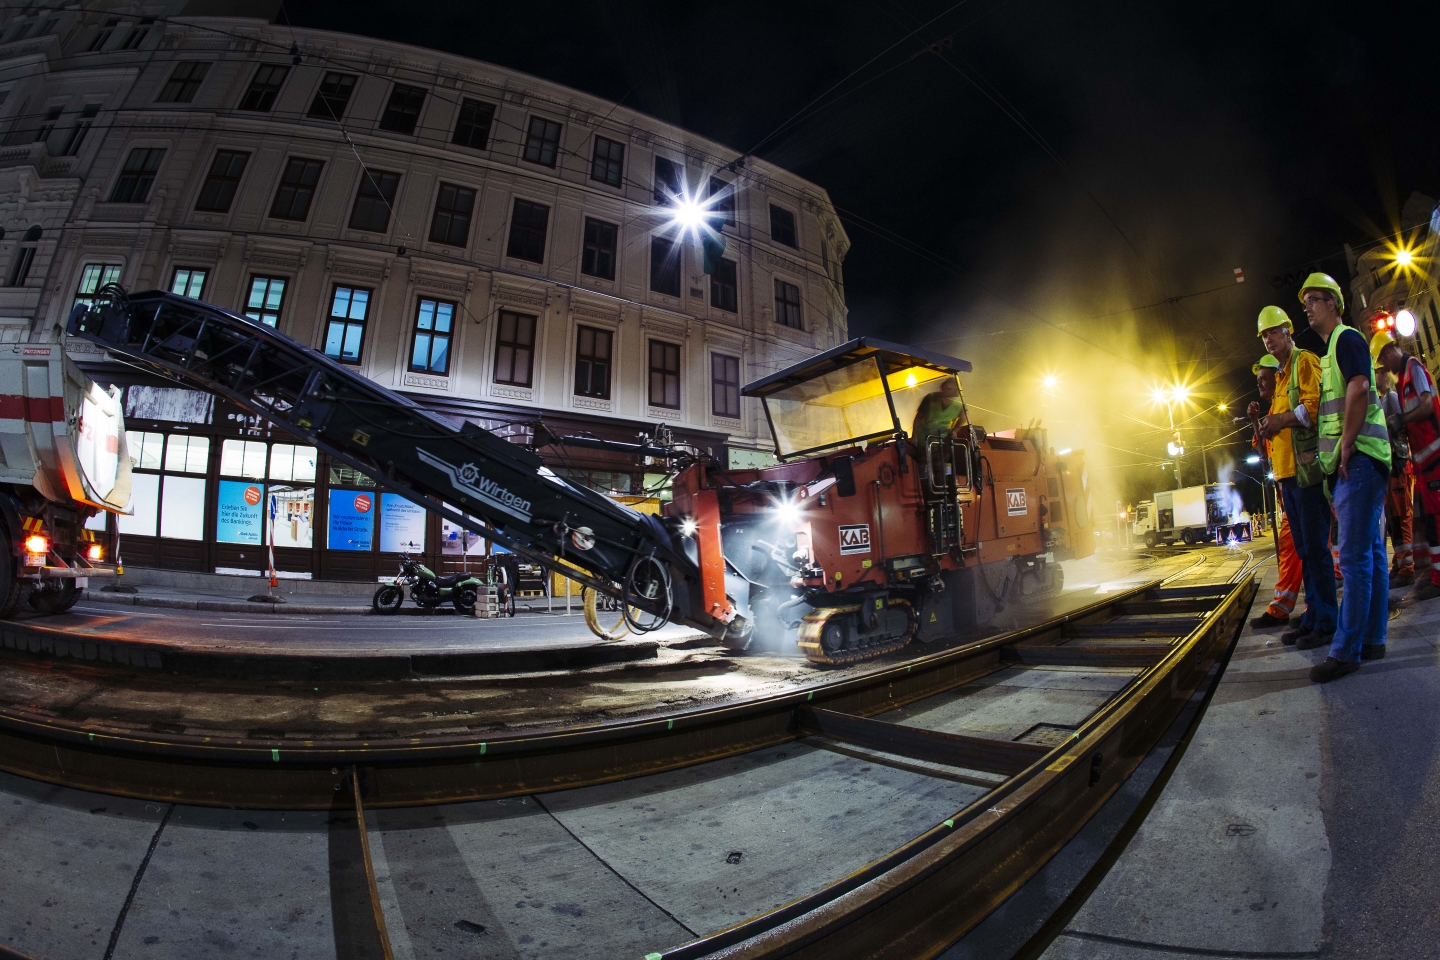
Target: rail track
[(1143, 653)]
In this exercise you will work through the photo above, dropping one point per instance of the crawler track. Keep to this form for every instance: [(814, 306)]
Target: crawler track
[(1156, 643)]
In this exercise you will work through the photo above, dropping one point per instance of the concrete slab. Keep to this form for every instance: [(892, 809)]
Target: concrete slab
[(717, 843), (67, 859), (1006, 704), (505, 879)]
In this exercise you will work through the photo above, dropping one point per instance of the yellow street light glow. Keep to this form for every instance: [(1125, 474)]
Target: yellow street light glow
[(910, 380), (1180, 392), (1050, 381), (1222, 408), (1158, 396), (1403, 257)]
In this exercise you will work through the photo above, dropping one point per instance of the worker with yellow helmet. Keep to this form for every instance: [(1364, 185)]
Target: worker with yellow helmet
[(1289, 428), (1355, 454), (1291, 572), (1415, 414)]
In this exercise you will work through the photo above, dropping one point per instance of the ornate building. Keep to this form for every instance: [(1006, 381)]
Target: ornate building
[(503, 249)]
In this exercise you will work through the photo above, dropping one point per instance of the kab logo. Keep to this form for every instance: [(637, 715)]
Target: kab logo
[(1015, 501), (855, 538)]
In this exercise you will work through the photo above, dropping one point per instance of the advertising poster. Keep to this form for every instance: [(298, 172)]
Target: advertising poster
[(402, 525), (456, 541), (240, 513), (352, 519), (292, 516)]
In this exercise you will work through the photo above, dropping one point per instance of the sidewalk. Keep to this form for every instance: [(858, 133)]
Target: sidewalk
[(1304, 820)]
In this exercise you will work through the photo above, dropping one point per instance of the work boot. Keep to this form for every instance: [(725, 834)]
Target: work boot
[(1428, 590), (1372, 651), (1267, 619), (1331, 669), (1294, 633), (1402, 579), (1314, 639)]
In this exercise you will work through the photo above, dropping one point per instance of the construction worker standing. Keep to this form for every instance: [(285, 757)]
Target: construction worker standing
[(1419, 418), (1289, 576), (1355, 455), (1400, 496), (1290, 429)]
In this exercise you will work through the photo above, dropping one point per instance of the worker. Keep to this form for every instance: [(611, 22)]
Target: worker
[(1355, 455), (1289, 577), (939, 412), (1419, 417), (1294, 411), (1400, 495)]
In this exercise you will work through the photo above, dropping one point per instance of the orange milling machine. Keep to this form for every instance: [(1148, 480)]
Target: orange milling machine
[(863, 537)]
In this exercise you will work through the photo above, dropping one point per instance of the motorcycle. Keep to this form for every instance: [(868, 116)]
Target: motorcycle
[(426, 589)]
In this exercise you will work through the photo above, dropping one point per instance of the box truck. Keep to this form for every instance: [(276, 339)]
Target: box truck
[(1201, 514)]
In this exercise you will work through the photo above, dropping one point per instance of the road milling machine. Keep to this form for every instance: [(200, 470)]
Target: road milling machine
[(860, 539)]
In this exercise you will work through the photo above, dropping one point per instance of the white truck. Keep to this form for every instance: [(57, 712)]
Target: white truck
[(62, 460), (1202, 514)]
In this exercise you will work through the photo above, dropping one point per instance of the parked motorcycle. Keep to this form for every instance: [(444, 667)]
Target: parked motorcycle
[(426, 589)]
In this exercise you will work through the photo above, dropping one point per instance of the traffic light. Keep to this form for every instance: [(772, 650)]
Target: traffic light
[(1176, 446)]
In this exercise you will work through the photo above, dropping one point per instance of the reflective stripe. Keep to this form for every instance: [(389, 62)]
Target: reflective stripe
[(1332, 406), (1328, 444), (1285, 594), (1376, 430), (1428, 452)]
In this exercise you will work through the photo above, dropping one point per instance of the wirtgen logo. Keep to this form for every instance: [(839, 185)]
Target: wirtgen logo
[(467, 479)]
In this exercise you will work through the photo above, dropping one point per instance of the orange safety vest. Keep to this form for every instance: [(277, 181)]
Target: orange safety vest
[(1424, 434)]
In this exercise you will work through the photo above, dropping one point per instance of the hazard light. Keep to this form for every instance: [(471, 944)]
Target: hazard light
[(96, 552), (37, 544)]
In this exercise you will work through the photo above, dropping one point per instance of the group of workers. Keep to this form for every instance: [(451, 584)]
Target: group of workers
[(1353, 438)]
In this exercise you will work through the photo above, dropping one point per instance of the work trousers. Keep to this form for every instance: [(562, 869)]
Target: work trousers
[(1359, 499), (1287, 584), (1399, 507), (1427, 553), (1309, 516)]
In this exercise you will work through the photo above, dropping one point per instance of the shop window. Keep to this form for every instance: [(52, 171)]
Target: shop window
[(182, 507), (592, 363), (137, 176), (344, 475), (188, 282), (430, 350), (267, 297), (293, 511), (345, 334), (333, 96), (244, 458), (264, 88), (145, 449), (514, 349), (144, 520), (664, 374), (290, 461), (218, 190), (472, 128), (187, 454), (240, 511), (402, 525), (352, 520), (402, 112), (92, 278), (658, 485)]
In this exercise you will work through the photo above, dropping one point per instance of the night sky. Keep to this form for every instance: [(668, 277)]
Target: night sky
[(1015, 196)]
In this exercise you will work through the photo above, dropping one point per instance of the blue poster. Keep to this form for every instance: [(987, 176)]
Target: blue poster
[(402, 525), (240, 514), (352, 519)]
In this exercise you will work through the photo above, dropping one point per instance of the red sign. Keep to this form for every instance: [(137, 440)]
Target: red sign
[(252, 495), (362, 503)]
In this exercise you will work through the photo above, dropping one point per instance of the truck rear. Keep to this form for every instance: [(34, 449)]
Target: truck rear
[(62, 460)]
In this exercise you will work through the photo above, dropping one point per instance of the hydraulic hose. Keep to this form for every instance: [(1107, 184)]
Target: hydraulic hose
[(589, 597)]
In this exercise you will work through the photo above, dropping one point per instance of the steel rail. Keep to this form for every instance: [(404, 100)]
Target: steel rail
[(305, 774)]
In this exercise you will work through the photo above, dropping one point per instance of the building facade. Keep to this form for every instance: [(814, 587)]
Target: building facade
[(503, 249), (1401, 275)]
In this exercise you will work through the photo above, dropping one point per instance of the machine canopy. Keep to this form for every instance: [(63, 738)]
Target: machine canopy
[(863, 390)]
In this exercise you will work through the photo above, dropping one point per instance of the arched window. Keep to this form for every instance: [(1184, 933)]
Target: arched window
[(25, 256)]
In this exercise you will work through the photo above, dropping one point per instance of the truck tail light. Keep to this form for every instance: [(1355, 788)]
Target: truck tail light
[(37, 544), (96, 552)]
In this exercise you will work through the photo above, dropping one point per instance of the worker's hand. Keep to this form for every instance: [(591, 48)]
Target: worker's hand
[(1267, 432), (1345, 453), (1253, 410)]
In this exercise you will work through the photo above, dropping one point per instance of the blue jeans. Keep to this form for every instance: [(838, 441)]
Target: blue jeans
[(1309, 514), (1359, 507)]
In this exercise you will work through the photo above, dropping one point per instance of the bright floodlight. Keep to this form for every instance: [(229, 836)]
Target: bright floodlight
[(1253, 458), (688, 526), (687, 213), (1222, 408), (1180, 392), (1174, 449), (1158, 396), (1405, 323), (1403, 257), (1050, 381), (787, 512)]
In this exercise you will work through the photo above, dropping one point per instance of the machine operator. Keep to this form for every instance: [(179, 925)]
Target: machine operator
[(940, 412)]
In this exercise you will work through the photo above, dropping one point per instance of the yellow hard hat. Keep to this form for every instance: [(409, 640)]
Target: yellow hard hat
[(1272, 317), (1380, 341), (1266, 362), (1323, 281)]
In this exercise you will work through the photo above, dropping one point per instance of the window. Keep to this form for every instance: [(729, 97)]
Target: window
[(782, 226), (333, 96), (24, 256), (144, 449), (297, 188), (221, 182), (725, 385), (403, 111), (787, 304), (92, 278), (345, 334), (292, 462), (664, 374), (137, 175), (669, 183), (608, 162), (137, 34), (542, 141), (664, 266), (723, 286), (430, 352), (267, 297), (451, 223), (103, 37), (183, 82), (514, 349), (187, 454), (188, 282), (592, 363), (722, 200), (47, 126), (374, 201), (264, 88), (527, 231), (472, 129), (239, 458), (81, 128), (598, 259)]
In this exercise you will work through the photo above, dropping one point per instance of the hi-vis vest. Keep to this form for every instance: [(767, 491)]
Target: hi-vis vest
[(1373, 439), (1424, 434)]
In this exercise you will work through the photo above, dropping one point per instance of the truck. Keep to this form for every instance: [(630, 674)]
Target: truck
[(1201, 514), (63, 460)]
